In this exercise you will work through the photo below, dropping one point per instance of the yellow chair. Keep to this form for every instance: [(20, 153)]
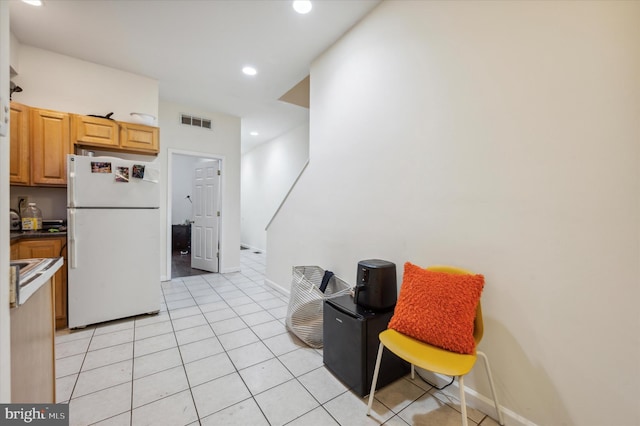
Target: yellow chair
[(435, 359)]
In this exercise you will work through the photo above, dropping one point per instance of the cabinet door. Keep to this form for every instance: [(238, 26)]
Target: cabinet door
[(50, 247), (94, 131), (138, 137), (19, 151), (49, 147), (44, 247), (15, 254)]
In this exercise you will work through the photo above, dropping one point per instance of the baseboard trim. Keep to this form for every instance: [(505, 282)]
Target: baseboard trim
[(277, 287), (480, 402), (251, 248), (230, 270), (473, 398)]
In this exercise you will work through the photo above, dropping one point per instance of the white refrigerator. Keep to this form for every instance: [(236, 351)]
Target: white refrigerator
[(113, 239)]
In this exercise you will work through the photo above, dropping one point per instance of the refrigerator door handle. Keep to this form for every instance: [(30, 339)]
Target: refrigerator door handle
[(71, 182), (71, 233)]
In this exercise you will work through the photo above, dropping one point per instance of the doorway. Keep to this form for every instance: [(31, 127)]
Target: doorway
[(194, 214)]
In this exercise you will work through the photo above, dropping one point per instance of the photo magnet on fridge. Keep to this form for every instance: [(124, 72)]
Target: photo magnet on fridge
[(138, 171), (122, 174), (100, 167)]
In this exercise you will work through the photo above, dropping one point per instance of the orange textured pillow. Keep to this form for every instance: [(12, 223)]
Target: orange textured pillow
[(438, 308)]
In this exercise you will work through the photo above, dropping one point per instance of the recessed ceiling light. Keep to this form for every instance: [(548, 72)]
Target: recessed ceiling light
[(33, 2), (254, 133), (249, 70), (302, 6)]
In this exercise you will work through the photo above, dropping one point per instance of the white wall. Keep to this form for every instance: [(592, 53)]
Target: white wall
[(53, 81), (501, 137), (52, 201), (182, 177), (268, 171), (14, 54), (221, 142), (5, 330)]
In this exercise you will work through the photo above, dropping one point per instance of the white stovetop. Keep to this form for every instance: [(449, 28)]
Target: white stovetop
[(39, 277)]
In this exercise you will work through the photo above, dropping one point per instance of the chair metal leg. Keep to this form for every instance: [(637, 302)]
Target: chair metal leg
[(493, 387), (463, 404), (375, 378), (413, 372)]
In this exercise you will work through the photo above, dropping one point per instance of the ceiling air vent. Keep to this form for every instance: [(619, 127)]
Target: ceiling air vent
[(190, 120)]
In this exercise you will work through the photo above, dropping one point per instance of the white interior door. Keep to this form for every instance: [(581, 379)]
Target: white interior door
[(204, 229)]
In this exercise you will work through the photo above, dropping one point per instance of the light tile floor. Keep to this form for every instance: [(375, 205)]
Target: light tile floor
[(218, 353)]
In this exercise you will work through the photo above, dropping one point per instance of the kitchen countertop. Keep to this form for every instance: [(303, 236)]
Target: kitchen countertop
[(23, 235)]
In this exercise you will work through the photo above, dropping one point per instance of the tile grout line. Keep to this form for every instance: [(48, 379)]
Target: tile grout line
[(223, 348), (237, 371), (184, 368), (80, 370), (234, 367), (294, 377), (133, 366)]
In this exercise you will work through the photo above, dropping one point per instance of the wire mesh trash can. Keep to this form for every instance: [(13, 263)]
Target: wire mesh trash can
[(304, 315)]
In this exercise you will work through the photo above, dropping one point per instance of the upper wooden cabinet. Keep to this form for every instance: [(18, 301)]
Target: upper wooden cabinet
[(114, 135), (19, 146), (139, 137), (94, 131), (39, 146), (49, 147), (41, 140)]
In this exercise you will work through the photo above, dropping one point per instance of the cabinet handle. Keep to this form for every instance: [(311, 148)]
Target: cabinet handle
[(71, 184)]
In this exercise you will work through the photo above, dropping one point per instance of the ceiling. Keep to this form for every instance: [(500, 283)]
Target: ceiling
[(197, 48)]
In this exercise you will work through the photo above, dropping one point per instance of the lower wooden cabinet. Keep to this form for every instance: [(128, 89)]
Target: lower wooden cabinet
[(48, 247), (15, 254)]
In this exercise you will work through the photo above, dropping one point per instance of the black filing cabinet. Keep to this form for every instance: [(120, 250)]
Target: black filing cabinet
[(350, 345)]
